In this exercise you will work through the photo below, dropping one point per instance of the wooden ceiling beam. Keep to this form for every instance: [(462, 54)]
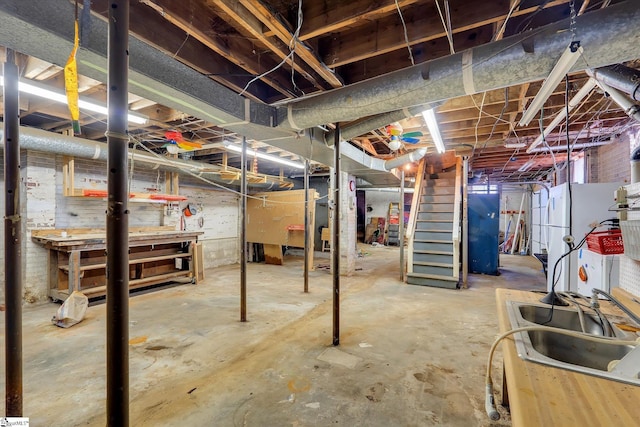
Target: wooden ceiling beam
[(252, 27), (324, 17), (193, 18), (423, 24), (175, 43), (303, 51)]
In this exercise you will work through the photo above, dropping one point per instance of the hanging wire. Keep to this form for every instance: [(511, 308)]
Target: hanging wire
[(447, 29), (406, 36), (292, 48)]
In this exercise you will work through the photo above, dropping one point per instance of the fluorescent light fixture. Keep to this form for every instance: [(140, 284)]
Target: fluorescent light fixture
[(526, 166), (568, 59), (233, 147), (42, 92), (430, 118), (515, 145), (562, 115)]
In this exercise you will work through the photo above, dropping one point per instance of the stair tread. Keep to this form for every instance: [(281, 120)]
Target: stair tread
[(430, 252), (433, 264), (433, 276), (431, 241), (435, 220)]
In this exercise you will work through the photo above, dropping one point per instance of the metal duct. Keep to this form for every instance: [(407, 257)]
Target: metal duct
[(632, 110), (50, 142), (411, 157), (573, 147), (607, 35), (620, 77)]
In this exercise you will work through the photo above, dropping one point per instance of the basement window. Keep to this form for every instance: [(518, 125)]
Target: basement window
[(483, 189)]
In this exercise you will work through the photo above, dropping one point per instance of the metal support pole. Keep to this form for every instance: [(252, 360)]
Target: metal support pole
[(243, 233), (307, 249), (12, 240), (465, 221), (401, 226), (118, 217), (335, 238)]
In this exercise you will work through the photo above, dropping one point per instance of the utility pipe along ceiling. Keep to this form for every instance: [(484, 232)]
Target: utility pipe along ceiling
[(282, 73)]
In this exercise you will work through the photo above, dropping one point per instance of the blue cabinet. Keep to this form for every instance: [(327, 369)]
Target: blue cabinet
[(484, 227)]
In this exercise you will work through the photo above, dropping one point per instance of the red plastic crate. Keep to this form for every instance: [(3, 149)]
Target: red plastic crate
[(606, 242)]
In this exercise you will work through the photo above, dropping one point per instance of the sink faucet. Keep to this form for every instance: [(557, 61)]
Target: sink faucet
[(595, 304)]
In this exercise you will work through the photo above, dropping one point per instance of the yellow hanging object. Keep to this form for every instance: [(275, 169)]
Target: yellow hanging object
[(71, 83)]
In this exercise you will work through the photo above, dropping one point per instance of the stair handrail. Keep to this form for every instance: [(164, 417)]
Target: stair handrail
[(456, 232), (413, 214)]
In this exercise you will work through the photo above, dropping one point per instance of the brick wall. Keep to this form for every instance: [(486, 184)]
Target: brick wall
[(610, 163)]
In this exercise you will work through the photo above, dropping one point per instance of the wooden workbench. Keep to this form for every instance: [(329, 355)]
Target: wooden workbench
[(77, 258), (542, 395)]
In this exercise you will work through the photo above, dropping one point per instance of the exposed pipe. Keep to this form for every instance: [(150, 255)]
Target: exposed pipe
[(573, 147), (117, 222), (611, 38), (632, 110), (54, 143), (465, 220), (621, 77), (335, 237), (12, 240), (243, 233), (401, 226), (411, 157), (307, 249)]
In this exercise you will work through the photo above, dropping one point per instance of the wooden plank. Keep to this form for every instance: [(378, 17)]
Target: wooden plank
[(198, 262), (262, 12), (425, 26), (254, 29), (270, 214), (273, 254)]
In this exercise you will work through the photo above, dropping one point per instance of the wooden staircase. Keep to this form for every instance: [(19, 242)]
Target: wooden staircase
[(434, 255)]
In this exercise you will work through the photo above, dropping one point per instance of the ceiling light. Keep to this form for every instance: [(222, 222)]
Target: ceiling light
[(234, 147), (526, 166), (430, 118), (35, 89), (515, 145), (567, 60), (578, 97)]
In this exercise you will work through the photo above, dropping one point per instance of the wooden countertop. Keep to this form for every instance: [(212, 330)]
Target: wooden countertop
[(90, 238), (542, 395)]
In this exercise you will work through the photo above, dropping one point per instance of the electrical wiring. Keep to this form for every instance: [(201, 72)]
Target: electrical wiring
[(220, 186), (500, 32), (401, 94), (447, 28), (406, 36), (292, 48)]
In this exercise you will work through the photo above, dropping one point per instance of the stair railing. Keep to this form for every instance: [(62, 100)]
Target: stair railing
[(413, 214), (457, 203)]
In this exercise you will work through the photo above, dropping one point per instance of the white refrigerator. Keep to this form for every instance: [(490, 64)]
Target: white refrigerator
[(600, 271), (588, 204)]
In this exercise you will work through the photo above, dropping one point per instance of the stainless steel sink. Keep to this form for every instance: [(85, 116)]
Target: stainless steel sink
[(601, 359), (564, 318)]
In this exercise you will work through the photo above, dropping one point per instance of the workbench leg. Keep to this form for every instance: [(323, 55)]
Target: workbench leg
[(505, 389), (74, 271)]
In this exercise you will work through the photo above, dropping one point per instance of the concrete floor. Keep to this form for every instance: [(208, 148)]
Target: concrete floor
[(409, 355)]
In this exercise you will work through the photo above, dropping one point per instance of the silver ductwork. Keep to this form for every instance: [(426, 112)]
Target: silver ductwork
[(607, 36), (54, 143), (620, 77), (411, 157)]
